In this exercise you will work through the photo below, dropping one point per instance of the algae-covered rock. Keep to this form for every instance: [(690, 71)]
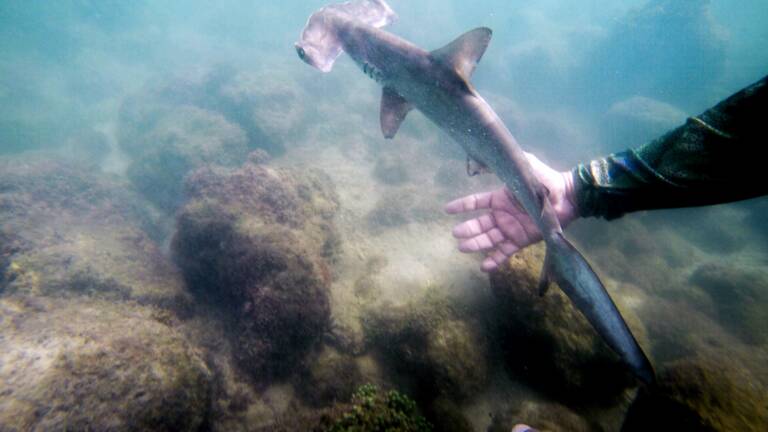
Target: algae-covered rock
[(260, 241), (373, 410), (69, 230), (268, 106), (702, 394), (93, 365), (328, 377), (178, 140), (432, 345), (547, 343), (177, 125), (740, 297)]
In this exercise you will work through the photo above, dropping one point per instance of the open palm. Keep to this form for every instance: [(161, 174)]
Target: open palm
[(506, 228)]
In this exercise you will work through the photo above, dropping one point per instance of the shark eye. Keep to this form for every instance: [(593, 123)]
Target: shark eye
[(302, 53)]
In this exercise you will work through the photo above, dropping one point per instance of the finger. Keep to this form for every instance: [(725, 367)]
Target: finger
[(493, 261), (508, 248), (482, 242), (474, 227), (469, 203)]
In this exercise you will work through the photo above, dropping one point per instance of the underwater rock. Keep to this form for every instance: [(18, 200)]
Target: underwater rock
[(373, 410), (543, 416), (701, 394), (547, 343), (740, 297), (269, 107), (432, 345), (174, 141), (329, 377), (667, 50), (94, 365), (69, 230), (260, 241)]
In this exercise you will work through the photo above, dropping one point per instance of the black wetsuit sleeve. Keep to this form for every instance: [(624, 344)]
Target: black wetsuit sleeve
[(713, 158)]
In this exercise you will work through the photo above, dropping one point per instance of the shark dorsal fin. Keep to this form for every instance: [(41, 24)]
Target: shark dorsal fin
[(394, 108), (465, 52)]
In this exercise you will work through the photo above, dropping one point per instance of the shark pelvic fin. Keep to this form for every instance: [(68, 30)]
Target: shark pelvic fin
[(394, 108), (465, 52), (474, 167)]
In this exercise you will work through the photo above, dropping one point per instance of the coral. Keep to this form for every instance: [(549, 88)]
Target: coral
[(700, 393), (547, 343), (371, 410), (740, 297), (432, 345), (72, 231), (94, 365), (261, 241)]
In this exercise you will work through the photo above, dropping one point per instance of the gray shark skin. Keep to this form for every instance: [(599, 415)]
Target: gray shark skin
[(437, 84)]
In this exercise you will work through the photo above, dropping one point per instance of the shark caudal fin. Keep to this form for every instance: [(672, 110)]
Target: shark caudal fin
[(319, 46), (566, 266)]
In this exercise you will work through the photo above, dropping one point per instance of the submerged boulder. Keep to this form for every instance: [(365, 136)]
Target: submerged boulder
[(260, 241), (68, 230), (172, 141), (328, 377), (95, 365), (547, 343), (740, 297), (432, 346), (702, 394), (176, 125)]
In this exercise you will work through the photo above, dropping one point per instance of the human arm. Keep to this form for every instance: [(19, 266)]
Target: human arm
[(712, 158)]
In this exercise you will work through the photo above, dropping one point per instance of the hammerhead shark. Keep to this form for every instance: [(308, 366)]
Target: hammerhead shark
[(437, 84)]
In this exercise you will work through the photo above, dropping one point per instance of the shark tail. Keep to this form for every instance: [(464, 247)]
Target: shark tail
[(566, 266), (319, 46)]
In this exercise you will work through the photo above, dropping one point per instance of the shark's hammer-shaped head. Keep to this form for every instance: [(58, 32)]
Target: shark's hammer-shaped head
[(320, 44)]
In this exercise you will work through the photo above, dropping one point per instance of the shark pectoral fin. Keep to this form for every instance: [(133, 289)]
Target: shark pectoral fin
[(475, 167), (544, 279), (465, 52), (394, 108)]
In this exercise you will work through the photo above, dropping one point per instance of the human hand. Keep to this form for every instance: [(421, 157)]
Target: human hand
[(506, 228)]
